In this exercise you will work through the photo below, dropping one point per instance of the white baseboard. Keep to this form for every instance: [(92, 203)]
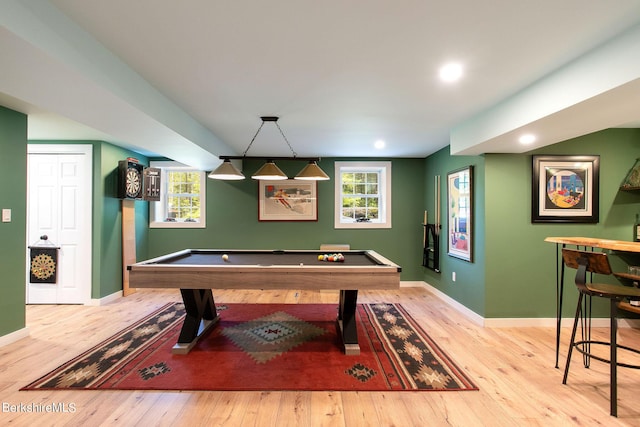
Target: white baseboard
[(507, 322), (596, 322), (14, 336), (105, 300), (411, 284), (470, 314)]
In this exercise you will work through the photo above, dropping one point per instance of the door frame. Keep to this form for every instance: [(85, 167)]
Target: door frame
[(87, 208)]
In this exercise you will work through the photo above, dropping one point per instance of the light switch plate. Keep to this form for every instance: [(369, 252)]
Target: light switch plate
[(6, 215)]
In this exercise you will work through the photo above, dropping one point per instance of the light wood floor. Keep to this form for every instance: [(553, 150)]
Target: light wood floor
[(513, 368)]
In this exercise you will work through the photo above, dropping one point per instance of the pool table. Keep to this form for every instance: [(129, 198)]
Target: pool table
[(197, 271)]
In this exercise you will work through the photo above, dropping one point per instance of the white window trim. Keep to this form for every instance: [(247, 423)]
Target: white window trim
[(385, 192), (154, 206)]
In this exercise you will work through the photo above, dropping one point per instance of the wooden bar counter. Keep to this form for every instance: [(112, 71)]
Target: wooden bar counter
[(593, 243)]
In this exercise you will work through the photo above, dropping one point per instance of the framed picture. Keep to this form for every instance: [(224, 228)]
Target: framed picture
[(460, 213), (565, 189), (287, 200)]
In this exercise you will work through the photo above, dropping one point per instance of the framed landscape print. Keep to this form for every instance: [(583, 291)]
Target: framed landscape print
[(460, 213), (287, 200), (565, 189)]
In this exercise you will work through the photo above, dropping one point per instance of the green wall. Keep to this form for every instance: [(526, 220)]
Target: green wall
[(469, 287), (525, 286), (513, 274), (13, 190), (232, 219), (107, 231)]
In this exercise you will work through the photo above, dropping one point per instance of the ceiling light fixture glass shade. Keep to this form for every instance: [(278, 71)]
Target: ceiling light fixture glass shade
[(226, 171), (269, 171), (312, 172)]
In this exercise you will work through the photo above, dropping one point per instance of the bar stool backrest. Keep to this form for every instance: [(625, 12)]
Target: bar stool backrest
[(583, 261)]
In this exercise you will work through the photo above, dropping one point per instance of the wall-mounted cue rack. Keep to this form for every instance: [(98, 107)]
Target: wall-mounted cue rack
[(431, 234), (431, 247)]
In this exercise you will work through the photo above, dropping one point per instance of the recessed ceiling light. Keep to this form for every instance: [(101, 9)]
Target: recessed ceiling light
[(451, 72), (527, 139), (379, 144)]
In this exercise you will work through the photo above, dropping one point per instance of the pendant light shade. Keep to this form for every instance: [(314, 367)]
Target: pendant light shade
[(312, 172), (269, 171), (226, 171)]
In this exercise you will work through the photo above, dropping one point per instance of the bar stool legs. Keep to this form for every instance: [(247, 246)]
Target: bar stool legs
[(598, 263), (613, 356), (614, 359), (573, 338)]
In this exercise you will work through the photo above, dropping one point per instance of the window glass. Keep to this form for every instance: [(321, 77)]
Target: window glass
[(182, 197), (363, 195)]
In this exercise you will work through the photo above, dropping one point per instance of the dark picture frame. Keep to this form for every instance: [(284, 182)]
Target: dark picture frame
[(565, 189), (287, 200), (460, 213)]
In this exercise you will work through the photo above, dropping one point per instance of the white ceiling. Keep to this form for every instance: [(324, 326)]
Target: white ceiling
[(190, 79)]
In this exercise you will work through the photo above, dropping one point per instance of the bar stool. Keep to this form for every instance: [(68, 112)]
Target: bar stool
[(598, 262)]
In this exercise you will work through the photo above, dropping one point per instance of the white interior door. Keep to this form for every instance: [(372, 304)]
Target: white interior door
[(59, 206)]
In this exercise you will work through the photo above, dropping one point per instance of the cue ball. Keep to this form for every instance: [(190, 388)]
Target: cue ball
[(225, 257), (301, 264)]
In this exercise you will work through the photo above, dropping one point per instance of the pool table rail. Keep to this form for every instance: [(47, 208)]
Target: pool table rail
[(161, 273)]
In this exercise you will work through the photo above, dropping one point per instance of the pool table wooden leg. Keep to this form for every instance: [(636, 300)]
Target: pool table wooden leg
[(346, 322), (200, 316)]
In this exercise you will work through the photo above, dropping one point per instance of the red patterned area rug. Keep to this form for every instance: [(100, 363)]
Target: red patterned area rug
[(266, 347)]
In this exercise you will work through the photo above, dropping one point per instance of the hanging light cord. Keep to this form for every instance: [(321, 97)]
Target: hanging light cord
[(286, 140), (253, 139), (281, 133)]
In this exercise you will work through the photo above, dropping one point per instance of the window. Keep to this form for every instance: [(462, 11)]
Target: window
[(182, 197), (363, 195)]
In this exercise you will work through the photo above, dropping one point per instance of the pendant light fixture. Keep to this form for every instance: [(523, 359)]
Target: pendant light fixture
[(226, 171), (269, 171), (312, 172)]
